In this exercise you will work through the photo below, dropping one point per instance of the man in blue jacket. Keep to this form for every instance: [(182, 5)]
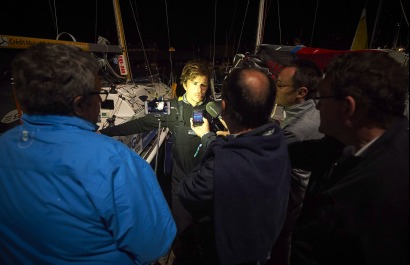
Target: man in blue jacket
[(240, 190), (70, 195)]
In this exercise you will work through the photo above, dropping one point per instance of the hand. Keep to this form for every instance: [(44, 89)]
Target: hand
[(223, 133), (201, 130)]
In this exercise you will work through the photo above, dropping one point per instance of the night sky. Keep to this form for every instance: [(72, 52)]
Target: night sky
[(189, 23)]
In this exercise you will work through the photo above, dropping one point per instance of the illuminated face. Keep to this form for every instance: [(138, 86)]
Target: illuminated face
[(286, 93), (196, 89)]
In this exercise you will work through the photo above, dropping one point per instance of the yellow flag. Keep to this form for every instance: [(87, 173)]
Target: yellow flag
[(360, 38)]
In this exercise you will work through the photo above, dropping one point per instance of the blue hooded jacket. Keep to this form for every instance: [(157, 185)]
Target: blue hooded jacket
[(69, 195)]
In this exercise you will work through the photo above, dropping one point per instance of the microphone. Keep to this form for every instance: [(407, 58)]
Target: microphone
[(214, 108)]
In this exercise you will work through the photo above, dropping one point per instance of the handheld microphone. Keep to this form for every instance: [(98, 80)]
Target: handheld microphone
[(214, 108)]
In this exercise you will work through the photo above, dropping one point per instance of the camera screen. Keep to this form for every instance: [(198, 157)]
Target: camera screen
[(157, 107)]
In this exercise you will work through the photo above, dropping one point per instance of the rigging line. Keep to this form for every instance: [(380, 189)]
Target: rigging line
[(314, 23), (169, 44), (396, 38), (265, 14), (114, 72), (54, 15), (280, 29), (376, 23), (142, 44), (230, 31), (404, 13), (243, 24), (213, 57)]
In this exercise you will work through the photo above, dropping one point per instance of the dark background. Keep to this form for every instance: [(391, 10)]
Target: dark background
[(193, 24), (213, 30)]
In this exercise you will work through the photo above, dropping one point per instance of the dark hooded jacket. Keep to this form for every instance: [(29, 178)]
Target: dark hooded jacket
[(241, 189)]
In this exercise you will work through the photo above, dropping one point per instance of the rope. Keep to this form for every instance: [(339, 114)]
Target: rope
[(72, 37), (171, 77), (404, 13), (230, 31), (54, 14), (264, 20), (280, 29), (213, 57), (314, 23), (56, 22), (243, 24)]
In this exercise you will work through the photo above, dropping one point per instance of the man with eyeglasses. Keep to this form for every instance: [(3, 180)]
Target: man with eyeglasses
[(69, 195), (356, 210), (296, 85)]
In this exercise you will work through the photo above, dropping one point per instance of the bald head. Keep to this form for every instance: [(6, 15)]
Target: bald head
[(249, 95), (255, 84)]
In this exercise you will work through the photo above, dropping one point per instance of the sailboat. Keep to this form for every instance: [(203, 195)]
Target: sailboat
[(126, 98), (273, 57)]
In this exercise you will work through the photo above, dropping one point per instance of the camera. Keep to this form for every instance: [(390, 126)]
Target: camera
[(157, 107)]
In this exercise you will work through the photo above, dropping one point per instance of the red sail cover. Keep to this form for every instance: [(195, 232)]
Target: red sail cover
[(276, 56)]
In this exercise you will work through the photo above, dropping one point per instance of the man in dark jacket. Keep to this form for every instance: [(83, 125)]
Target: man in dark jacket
[(186, 151), (239, 192), (358, 211)]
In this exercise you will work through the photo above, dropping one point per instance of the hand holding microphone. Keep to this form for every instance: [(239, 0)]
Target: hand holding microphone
[(214, 108)]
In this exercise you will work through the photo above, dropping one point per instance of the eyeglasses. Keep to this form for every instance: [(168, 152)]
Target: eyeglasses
[(317, 98), (280, 85), (103, 94)]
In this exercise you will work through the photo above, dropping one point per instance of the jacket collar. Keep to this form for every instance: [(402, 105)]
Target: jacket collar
[(58, 120)]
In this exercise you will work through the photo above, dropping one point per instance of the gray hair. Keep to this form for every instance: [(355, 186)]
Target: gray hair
[(47, 77)]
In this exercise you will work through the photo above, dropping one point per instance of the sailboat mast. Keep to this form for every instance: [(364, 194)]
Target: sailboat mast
[(259, 32), (376, 23), (123, 61)]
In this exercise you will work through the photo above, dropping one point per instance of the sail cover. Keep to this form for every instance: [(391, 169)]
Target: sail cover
[(276, 56)]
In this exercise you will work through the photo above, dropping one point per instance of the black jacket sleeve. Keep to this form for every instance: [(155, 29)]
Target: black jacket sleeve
[(144, 124), (312, 154)]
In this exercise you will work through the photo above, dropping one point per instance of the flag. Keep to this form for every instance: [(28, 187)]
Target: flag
[(360, 38)]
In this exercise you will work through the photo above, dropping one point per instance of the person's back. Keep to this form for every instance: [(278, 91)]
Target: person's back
[(358, 211), (70, 195), (243, 180)]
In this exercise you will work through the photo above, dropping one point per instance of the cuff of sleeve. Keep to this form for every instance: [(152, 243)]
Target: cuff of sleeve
[(208, 138), (208, 135)]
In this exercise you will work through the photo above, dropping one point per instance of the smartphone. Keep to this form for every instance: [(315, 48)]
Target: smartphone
[(197, 117), (157, 107)]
